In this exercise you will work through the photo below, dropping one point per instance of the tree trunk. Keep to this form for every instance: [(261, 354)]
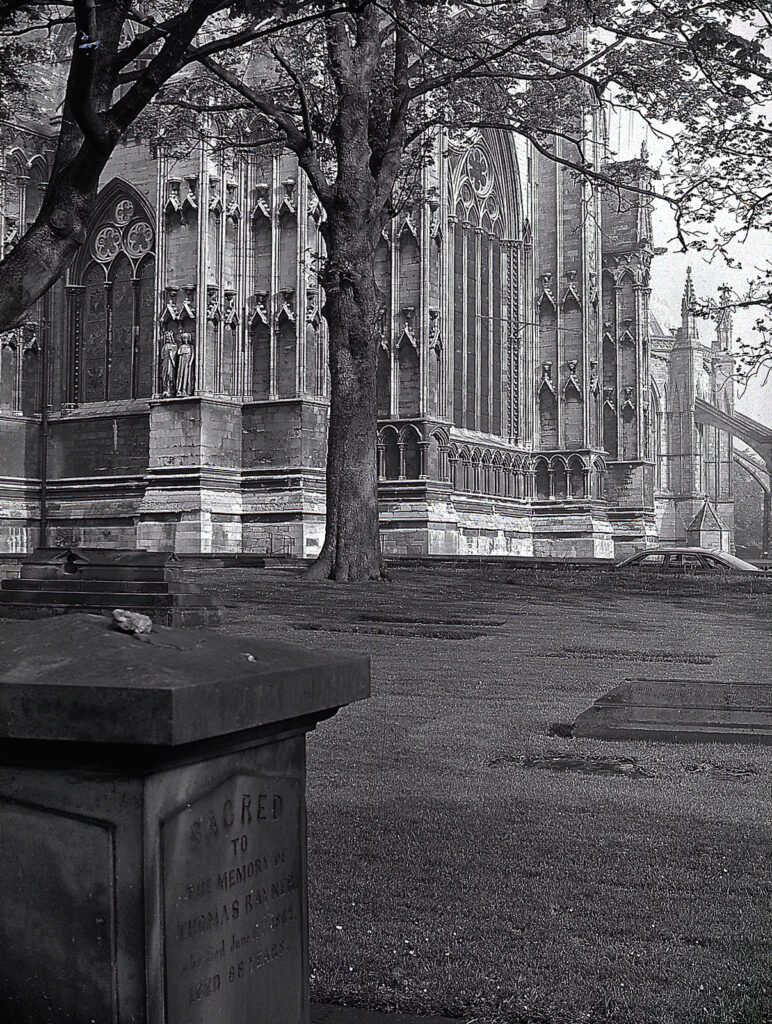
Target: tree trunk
[(53, 241), (351, 549), (83, 148)]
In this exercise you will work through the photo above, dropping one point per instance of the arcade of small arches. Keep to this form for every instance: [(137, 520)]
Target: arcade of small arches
[(405, 454)]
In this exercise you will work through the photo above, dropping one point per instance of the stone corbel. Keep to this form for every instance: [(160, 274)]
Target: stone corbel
[(188, 310), (546, 379), (231, 313), (594, 379), (572, 381), (546, 292), (262, 202), (173, 200), (571, 293), (212, 305), (408, 224), (232, 208), (171, 310), (313, 314), (190, 200), (215, 200), (260, 312), (288, 202), (286, 309), (628, 403), (408, 333)]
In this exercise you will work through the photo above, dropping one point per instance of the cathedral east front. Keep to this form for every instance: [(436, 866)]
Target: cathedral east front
[(171, 391)]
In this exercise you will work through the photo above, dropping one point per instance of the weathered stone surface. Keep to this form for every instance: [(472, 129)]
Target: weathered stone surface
[(131, 622), (54, 581), (681, 710), (178, 687), (142, 882), (232, 903)]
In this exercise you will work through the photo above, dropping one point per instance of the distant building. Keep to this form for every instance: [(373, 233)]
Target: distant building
[(529, 403)]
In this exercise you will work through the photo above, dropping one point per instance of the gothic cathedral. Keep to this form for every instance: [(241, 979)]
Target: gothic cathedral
[(171, 391)]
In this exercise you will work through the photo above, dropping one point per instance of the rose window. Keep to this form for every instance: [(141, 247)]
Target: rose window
[(139, 239), (106, 244), (124, 211), (478, 172)]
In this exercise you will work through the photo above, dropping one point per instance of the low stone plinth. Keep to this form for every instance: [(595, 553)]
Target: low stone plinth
[(681, 710), (57, 581), (152, 823)]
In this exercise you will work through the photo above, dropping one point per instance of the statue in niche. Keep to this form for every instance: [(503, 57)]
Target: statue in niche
[(594, 380), (185, 356), (168, 364)]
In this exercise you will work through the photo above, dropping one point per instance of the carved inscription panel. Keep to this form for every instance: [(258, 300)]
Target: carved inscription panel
[(233, 903)]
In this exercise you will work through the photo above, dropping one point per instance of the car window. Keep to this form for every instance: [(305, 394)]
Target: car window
[(684, 561), (713, 563), (651, 561)]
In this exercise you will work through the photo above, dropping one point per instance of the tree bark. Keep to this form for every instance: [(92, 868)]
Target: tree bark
[(351, 549), (85, 143)]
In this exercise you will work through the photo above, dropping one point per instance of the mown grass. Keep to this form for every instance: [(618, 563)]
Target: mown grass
[(453, 871)]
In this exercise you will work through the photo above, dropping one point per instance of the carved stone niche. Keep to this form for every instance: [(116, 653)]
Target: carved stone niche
[(152, 825)]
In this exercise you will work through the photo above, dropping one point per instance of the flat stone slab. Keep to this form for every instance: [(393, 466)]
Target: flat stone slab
[(75, 678), (682, 711)]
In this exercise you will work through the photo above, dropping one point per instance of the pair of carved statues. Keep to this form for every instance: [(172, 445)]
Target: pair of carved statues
[(177, 365)]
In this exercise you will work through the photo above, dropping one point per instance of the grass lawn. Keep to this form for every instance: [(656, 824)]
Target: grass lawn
[(451, 872)]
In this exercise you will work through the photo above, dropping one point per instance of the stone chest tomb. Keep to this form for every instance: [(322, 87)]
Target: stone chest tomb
[(152, 823)]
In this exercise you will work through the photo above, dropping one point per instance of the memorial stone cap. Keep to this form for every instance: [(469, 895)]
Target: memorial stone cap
[(74, 678)]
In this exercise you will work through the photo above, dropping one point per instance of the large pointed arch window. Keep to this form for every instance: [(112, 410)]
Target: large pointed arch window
[(113, 302)]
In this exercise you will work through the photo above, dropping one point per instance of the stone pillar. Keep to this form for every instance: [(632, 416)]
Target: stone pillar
[(551, 479), (152, 823), (423, 453)]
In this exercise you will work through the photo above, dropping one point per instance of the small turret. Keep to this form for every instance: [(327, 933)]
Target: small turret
[(724, 325), (688, 319)]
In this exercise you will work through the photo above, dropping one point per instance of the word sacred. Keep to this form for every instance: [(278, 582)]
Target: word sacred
[(218, 821)]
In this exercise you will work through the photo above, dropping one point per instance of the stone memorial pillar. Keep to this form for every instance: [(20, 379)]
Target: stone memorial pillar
[(152, 823)]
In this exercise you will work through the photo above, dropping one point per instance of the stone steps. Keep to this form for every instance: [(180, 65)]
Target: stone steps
[(60, 581), (76, 585)]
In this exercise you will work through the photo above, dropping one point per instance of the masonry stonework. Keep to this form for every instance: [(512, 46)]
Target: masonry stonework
[(171, 391)]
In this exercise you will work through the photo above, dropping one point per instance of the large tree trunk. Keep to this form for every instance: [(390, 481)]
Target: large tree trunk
[(351, 549), (84, 147), (53, 241)]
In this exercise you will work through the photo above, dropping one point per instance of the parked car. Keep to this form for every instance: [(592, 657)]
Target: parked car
[(685, 560)]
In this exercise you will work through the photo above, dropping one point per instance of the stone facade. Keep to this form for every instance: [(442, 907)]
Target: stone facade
[(171, 392)]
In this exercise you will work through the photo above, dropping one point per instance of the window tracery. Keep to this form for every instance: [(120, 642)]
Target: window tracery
[(114, 287)]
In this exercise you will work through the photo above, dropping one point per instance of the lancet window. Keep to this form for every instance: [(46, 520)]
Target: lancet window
[(112, 302), (484, 220)]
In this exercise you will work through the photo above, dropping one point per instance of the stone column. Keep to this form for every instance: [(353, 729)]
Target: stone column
[(423, 452)]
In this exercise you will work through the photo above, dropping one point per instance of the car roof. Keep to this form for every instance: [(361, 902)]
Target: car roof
[(675, 550)]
